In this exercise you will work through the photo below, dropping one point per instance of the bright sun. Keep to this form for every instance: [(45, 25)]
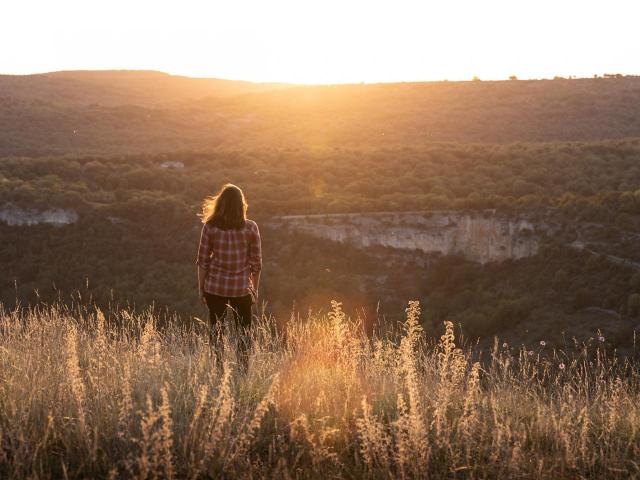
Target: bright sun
[(324, 41)]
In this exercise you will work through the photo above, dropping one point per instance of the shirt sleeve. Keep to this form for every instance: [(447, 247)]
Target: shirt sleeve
[(203, 258), (255, 250)]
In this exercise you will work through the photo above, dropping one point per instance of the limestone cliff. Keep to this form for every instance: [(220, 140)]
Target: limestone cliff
[(481, 237), (12, 215)]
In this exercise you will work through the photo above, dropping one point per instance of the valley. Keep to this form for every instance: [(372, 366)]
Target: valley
[(517, 229)]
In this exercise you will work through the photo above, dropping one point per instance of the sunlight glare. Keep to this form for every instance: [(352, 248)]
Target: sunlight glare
[(324, 41)]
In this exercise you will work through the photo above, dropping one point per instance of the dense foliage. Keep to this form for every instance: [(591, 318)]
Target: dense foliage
[(591, 180)]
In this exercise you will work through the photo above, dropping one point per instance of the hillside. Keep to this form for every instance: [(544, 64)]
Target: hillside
[(121, 87), (114, 113)]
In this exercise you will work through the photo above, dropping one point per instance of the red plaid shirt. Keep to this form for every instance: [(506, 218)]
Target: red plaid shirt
[(229, 256)]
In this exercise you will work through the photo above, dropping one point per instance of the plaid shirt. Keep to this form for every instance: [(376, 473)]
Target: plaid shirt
[(229, 256)]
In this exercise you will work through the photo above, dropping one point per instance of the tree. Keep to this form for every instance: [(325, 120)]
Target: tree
[(582, 299), (633, 304), (560, 279)]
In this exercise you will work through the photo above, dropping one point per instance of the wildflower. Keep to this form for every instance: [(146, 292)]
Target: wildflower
[(530, 353), (601, 338), (561, 366), (543, 343), (504, 345)]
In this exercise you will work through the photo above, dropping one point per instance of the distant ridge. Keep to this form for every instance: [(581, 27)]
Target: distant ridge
[(122, 87), (121, 112)]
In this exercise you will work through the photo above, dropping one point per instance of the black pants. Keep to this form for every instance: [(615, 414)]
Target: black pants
[(241, 307)]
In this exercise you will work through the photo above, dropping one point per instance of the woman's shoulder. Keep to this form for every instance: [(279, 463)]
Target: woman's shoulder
[(251, 224), (211, 228), (209, 225)]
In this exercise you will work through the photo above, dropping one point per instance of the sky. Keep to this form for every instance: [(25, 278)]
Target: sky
[(324, 41)]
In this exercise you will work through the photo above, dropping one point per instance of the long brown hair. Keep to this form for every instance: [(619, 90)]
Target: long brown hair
[(226, 210)]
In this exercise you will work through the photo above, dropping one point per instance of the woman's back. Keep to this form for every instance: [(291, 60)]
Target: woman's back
[(229, 260), (229, 255)]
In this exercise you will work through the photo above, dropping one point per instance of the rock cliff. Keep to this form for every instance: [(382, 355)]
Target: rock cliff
[(16, 216), (480, 237)]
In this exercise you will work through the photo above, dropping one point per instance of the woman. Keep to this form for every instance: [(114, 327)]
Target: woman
[(229, 259)]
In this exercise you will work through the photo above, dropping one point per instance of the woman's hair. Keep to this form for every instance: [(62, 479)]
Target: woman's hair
[(226, 210)]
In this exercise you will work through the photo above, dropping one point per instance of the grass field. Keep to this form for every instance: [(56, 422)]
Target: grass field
[(82, 396)]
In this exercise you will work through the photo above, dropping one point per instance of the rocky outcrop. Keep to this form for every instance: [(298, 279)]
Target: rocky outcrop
[(480, 237), (172, 164), (16, 216)]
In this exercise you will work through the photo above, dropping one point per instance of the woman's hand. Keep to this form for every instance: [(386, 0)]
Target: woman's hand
[(254, 279), (202, 275)]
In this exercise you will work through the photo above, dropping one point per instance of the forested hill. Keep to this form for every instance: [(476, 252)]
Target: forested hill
[(104, 113)]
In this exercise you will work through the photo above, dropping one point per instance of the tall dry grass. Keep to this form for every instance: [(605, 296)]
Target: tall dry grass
[(82, 396)]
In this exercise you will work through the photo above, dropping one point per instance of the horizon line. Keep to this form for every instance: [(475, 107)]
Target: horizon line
[(514, 77)]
